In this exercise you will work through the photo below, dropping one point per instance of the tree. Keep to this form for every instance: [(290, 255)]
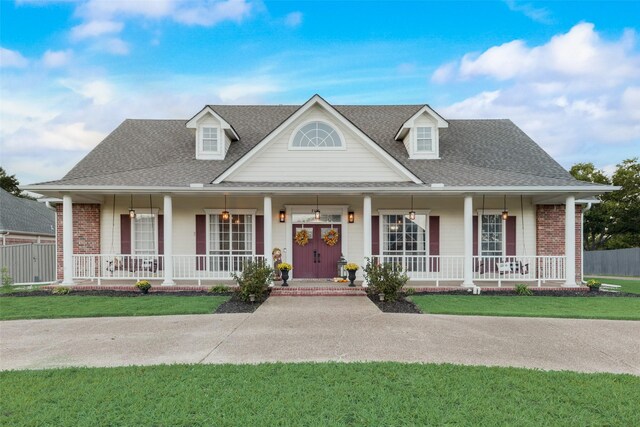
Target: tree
[(10, 183), (613, 223)]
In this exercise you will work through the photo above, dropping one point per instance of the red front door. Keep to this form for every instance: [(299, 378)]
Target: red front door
[(316, 259)]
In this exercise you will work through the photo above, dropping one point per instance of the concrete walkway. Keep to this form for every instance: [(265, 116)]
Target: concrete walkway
[(295, 329)]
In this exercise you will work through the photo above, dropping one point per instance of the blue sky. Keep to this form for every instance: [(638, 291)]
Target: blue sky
[(568, 73)]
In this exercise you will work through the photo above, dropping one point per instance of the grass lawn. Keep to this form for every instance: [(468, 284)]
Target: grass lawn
[(631, 285), (55, 307), (366, 394), (621, 308)]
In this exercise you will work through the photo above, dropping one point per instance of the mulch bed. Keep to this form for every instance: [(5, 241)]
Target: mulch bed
[(401, 305), (236, 305), (112, 293)]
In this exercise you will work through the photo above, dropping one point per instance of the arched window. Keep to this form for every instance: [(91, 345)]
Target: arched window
[(317, 135)]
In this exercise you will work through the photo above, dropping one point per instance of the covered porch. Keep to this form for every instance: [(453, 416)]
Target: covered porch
[(438, 238)]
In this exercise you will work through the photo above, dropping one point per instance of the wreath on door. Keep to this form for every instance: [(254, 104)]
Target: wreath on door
[(331, 237), (302, 237)]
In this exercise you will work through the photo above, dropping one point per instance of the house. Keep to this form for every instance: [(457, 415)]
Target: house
[(25, 221), (462, 201)]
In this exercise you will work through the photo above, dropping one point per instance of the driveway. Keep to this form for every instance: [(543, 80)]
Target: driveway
[(296, 329)]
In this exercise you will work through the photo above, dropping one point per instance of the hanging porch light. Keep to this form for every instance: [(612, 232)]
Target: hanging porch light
[(132, 212), (316, 213), (225, 212), (412, 213), (505, 212)]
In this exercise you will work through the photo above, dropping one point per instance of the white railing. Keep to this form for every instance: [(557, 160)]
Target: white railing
[(425, 267), (497, 269), (137, 267)]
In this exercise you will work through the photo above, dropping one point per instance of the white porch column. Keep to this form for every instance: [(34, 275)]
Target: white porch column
[(268, 224), (468, 242), (366, 224), (570, 241), (168, 241), (67, 240)]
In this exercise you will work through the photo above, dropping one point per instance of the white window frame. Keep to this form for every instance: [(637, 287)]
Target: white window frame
[(209, 155), (331, 125), (498, 212), (232, 212), (433, 140), (145, 211), (382, 212)]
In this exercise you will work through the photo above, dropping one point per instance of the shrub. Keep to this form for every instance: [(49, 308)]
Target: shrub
[(254, 279), (219, 289), (144, 286), (594, 284), (522, 289), (285, 266), (387, 279), (60, 290), (409, 291), (6, 279)]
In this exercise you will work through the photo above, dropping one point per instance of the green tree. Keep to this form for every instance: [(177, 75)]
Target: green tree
[(613, 223), (9, 183)]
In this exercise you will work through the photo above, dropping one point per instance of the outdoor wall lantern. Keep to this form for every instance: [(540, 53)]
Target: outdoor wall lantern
[(351, 216), (282, 216)]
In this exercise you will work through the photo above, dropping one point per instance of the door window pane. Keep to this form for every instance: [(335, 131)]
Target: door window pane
[(145, 241), (491, 235)]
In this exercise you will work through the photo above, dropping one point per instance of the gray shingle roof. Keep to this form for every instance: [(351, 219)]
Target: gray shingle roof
[(24, 215), (473, 152)]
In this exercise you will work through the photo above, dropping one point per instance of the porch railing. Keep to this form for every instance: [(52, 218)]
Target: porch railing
[(496, 269), (136, 267)]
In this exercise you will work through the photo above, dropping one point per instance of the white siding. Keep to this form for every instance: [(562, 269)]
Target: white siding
[(358, 163)]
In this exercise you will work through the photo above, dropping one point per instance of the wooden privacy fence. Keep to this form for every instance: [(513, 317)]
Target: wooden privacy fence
[(30, 262), (615, 262)]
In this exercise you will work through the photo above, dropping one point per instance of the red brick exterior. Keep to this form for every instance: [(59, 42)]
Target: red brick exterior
[(550, 233), (86, 231)]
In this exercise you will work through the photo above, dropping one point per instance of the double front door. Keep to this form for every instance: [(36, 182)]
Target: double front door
[(316, 259)]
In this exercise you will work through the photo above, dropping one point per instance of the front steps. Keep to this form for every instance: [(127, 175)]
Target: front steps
[(317, 291)]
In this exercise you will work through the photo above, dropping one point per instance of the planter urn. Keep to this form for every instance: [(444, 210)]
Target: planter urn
[(352, 277), (594, 289), (285, 277)]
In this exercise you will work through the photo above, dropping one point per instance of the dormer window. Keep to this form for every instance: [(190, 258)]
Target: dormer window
[(424, 139), (209, 140)]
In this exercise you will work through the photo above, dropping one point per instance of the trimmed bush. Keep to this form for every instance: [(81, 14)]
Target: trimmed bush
[(387, 279), (254, 279), (143, 286), (60, 290), (219, 289)]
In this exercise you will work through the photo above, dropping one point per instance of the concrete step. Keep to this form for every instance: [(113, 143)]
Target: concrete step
[(317, 291)]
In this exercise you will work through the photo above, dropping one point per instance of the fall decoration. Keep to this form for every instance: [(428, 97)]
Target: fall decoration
[(331, 237), (302, 237)]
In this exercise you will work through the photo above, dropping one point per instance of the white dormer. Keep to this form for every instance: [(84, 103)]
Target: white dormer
[(420, 134), (213, 135)]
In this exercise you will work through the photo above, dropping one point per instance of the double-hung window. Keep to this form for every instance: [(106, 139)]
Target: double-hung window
[(404, 239), (145, 240), (231, 241), (424, 139), (491, 235), (210, 140)]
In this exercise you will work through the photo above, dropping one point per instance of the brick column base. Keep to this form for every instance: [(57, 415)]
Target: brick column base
[(550, 233), (86, 231)]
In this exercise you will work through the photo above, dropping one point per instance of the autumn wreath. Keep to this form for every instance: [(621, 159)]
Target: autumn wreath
[(331, 237), (302, 237)]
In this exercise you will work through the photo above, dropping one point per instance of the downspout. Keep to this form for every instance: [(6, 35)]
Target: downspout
[(4, 236), (585, 209)]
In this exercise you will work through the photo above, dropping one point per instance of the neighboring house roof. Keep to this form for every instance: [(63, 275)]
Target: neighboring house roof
[(159, 153), (18, 215)]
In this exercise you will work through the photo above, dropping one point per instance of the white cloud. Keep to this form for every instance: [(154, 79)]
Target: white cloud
[(56, 59), (293, 19), (95, 29), (538, 14), (12, 59), (577, 94), (115, 46), (99, 92), (245, 92)]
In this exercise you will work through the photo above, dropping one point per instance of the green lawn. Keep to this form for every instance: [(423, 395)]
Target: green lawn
[(55, 307), (630, 285), (627, 308), (331, 394)]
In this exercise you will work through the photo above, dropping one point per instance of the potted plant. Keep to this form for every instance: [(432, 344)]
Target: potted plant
[(594, 285), (351, 269), (143, 286), (284, 270)]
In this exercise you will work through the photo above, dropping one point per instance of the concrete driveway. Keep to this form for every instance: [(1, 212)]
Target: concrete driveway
[(296, 329)]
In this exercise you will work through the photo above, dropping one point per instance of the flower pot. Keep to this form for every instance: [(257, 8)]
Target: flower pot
[(352, 277), (381, 296), (285, 277), (594, 289), (252, 297)]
